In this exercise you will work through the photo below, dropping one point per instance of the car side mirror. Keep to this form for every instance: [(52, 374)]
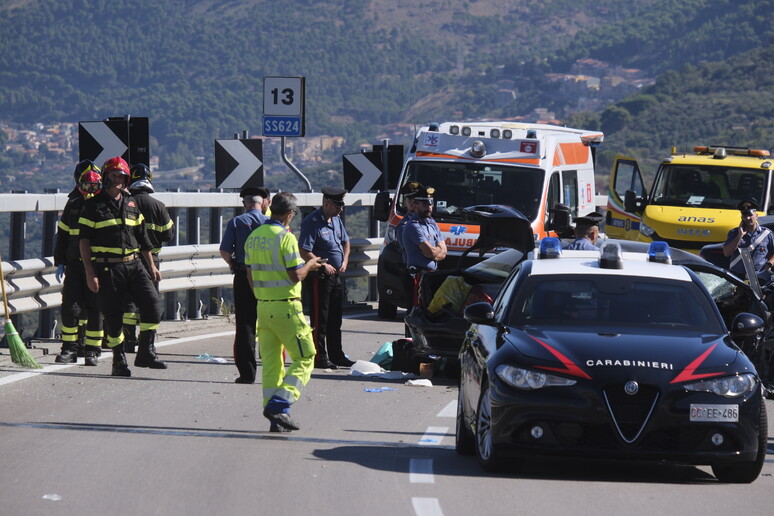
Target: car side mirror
[(480, 313), (745, 325), (560, 218), (382, 206)]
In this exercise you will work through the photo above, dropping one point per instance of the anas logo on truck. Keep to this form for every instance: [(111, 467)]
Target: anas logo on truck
[(705, 220), (458, 230)]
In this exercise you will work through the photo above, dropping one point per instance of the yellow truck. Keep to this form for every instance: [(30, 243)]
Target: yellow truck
[(694, 197)]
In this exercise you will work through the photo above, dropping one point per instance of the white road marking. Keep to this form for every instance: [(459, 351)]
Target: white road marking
[(449, 410), (433, 435), (421, 471), (426, 506)]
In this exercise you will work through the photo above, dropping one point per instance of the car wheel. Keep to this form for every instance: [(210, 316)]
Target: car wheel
[(464, 442), (747, 472), (485, 449), (387, 310)]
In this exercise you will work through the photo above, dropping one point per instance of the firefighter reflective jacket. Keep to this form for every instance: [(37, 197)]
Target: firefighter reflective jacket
[(114, 228)]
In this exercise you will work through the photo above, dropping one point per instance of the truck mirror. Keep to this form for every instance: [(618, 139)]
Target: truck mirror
[(382, 206), (630, 201), (560, 218)]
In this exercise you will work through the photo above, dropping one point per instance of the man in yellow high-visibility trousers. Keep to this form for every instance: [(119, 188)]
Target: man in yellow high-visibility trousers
[(275, 270)]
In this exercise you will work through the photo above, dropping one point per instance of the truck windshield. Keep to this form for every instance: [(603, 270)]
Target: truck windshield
[(459, 185), (708, 186)]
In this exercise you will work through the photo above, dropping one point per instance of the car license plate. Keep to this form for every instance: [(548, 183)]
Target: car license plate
[(715, 413)]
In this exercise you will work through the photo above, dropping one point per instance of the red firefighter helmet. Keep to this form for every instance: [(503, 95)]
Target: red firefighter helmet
[(90, 183), (117, 163)]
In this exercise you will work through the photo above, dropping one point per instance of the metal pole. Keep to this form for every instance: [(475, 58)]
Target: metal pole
[(46, 317), (194, 225), (293, 167), (216, 235), (172, 306)]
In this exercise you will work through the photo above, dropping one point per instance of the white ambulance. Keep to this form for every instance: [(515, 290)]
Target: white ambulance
[(530, 167)]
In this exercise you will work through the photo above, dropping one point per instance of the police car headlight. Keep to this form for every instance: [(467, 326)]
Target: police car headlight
[(729, 386), (529, 380), (646, 230)]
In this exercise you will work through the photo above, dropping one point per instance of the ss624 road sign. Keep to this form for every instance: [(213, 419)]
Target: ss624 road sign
[(283, 106)]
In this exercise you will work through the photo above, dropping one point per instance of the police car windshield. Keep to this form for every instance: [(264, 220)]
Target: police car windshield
[(459, 185), (707, 186), (614, 301)]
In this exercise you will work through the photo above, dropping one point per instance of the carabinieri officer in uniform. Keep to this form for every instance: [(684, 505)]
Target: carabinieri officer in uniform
[(323, 236)]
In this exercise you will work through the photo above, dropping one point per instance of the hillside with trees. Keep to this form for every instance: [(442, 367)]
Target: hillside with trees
[(196, 67)]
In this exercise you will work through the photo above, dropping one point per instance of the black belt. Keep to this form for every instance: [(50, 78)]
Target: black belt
[(122, 259), (272, 300)]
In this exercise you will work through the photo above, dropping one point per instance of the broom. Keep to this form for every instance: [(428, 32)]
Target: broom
[(19, 353)]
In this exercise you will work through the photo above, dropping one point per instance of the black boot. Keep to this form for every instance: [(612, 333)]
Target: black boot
[(68, 355), (80, 345), (92, 355), (146, 351), (130, 338), (120, 367)]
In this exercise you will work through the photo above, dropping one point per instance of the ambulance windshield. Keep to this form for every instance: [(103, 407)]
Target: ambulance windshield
[(459, 185)]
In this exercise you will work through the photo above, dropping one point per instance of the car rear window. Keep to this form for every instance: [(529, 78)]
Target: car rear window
[(614, 301)]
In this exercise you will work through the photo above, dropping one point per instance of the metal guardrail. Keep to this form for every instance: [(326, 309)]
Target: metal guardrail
[(31, 285)]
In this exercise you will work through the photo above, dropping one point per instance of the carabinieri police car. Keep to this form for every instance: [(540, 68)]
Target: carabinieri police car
[(609, 355)]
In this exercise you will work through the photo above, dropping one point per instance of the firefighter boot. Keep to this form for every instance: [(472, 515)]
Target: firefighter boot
[(120, 367), (68, 355), (92, 355), (146, 351)]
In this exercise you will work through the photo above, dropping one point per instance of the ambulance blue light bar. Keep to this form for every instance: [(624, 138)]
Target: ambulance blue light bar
[(659, 252)]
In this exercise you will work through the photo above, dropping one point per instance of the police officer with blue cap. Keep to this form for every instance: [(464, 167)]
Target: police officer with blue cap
[(586, 233), (255, 200), (423, 245), (323, 235), (749, 234)]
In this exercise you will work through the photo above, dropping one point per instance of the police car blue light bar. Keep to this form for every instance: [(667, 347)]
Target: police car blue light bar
[(659, 252), (550, 247)]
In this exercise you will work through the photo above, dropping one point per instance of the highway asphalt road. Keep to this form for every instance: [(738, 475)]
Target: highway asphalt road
[(188, 441)]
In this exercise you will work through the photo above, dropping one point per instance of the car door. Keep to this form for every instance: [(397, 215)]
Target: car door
[(624, 177)]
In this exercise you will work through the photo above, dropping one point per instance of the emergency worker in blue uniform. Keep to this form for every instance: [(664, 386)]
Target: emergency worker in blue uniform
[(422, 242), (232, 249), (112, 236), (158, 226), (586, 233), (323, 236), (408, 191), (275, 271), (751, 235), (79, 304)]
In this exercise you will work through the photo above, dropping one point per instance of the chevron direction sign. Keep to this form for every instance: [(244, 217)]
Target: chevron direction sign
[(238, 163), (363, 171), (127, 137)]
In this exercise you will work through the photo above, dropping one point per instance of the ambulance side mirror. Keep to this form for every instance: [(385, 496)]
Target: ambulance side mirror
[(382, 206)]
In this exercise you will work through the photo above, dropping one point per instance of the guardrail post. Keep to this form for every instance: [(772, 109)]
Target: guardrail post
[(18, 235), (216, 235), (373, 288), (172, 306), (46, 317), (193, 230)]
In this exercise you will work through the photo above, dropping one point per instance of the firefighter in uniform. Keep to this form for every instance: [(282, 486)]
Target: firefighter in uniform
[(158, 226), (112, 235), (232, 249), (323, 235), (79, 304), (275, 270)]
